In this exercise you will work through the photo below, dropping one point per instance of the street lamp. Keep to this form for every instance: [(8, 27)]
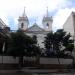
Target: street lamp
[(3, 51)]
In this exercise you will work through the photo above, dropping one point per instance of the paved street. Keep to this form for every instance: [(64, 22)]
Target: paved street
[(37, 74), (34, 72)]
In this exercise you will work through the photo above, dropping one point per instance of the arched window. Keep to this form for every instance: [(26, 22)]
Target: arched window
[(22, 25), (47, 25)]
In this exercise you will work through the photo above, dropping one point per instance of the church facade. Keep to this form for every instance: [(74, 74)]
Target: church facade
[(23, 23)]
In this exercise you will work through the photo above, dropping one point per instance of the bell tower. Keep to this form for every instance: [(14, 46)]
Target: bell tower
[(23, 21), (47, 22)]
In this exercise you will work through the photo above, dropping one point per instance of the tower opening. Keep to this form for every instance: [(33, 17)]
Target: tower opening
[(47, 25), (22, 25)]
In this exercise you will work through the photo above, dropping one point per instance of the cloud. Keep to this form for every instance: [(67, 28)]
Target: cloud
[(60, 17), (35, 9), (12, 23)]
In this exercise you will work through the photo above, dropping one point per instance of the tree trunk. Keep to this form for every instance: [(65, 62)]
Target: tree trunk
[(58, 58), (37, 59), (20, 62), (58, 61)]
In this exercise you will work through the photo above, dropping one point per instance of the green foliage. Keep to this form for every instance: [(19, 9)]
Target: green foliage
[(22, 45), (34, 39), (70, 47), (58, 42)]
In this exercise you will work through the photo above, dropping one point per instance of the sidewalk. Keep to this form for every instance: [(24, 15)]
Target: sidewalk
[(25, 70)]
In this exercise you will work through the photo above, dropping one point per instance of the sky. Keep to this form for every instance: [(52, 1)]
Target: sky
[(10, 10)]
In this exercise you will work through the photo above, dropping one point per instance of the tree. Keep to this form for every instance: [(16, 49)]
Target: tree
[(18, 45), (49, 40), (21, 45), (58, 41), (36, 51)]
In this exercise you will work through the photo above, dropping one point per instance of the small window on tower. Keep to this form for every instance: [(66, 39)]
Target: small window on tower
[(22, 25), (47, 25)]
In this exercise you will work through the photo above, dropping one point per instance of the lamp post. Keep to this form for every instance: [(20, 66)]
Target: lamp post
[(3, 51)]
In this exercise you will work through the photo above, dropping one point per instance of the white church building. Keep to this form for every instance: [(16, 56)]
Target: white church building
[(23, 23)]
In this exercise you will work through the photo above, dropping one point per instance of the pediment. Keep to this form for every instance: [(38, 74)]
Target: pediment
[(35, 28)]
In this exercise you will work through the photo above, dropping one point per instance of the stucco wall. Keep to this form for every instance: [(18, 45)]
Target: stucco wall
[(47, 28), (25, 25), (69, 25), (40, 39), (10, 59), (55, 61)]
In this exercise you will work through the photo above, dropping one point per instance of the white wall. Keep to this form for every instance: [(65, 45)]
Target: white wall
[(55, 61), (9, 59), (25, 25), (40, 39), (69, 25), (29, 58), (45, 26)]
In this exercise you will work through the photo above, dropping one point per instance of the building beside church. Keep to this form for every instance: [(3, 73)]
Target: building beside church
[(3, 27), (23, 23), (2, 24), (69, 27)]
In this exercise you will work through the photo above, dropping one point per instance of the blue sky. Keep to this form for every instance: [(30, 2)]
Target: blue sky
[(10, 10)]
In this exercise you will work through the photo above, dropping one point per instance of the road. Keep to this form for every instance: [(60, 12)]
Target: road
[(35, 72)]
